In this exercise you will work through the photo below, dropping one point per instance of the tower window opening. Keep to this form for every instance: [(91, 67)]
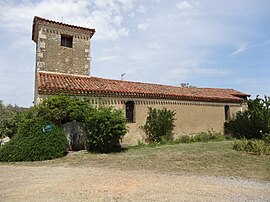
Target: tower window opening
[(66, 41)]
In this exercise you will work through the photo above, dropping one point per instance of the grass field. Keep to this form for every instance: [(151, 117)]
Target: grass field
[(211, 158)]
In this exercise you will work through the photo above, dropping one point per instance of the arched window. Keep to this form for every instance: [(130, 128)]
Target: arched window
[(130, 105), (227, 112)]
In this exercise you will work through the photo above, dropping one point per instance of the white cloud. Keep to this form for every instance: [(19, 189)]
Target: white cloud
[(131, 15), (190, 69), (153, 45), (127, 5), (117, 20), (240, 48), (113, 49), (105, 58), (107, 5), (183, 5), (123, 32), (141, 9), (143, 26)]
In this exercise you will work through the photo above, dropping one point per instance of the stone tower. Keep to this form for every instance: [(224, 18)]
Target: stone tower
[(61, 48)]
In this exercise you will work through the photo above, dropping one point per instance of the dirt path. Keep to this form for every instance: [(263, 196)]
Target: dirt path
[(65, 183)]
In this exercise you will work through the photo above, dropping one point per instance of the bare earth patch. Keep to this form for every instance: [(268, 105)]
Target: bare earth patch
[(61, 183), (195, 172)]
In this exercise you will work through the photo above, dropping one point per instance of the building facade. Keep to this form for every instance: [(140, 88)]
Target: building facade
[(63, 66)]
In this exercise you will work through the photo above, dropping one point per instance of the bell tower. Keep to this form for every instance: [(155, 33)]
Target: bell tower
[(61, 48)]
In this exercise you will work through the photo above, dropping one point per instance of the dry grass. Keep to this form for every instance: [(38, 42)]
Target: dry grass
[(211, 158)]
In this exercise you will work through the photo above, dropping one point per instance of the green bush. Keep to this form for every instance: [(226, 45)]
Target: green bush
[(252, 123), (62, 109), (201, 137), (8, 124), (9, 117), (105, 127), (259, 147), (266, 138), (30, 143), (159, 125)]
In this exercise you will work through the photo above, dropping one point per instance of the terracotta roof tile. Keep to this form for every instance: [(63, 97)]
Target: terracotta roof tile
[(55, 83)]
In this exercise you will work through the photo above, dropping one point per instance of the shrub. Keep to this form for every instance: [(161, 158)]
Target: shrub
[(201, 137), (252, 146), (266, 138), (252, 123), (30, 143), (105, 127), (159, 125), (62, 109), (8, 123), (9, 117)]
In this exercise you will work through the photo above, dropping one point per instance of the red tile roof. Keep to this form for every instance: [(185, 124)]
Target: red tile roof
[(55, 83), (38, 20)]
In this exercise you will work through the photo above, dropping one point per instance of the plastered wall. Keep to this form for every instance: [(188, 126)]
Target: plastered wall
[(191, 117)]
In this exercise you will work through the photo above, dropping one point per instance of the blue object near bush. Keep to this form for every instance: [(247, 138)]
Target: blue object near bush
[(48, 128)]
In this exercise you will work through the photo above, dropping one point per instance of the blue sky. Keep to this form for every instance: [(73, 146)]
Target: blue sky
[(205, 43)]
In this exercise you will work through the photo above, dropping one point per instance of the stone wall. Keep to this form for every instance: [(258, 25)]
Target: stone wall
[(51, 56)]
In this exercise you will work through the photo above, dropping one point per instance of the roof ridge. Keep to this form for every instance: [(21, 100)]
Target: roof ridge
[(61, 23)]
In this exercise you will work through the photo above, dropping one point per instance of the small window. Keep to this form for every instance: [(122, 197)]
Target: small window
[(130, 111), (227, 112), (66, 41)]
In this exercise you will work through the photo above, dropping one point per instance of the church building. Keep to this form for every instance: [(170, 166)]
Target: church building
[(63, 66)]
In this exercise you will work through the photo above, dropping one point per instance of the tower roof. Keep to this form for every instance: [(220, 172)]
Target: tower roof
[(42, 21)]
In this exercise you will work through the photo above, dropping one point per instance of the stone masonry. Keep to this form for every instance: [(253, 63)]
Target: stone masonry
[(52, 57)]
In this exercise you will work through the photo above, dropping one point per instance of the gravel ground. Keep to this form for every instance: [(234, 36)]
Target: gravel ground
[(66, 183)]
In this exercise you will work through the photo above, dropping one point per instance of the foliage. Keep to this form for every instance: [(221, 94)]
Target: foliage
[(159, 125), (252, 123), (9, 117), (163, 141), (105, 127), (198, 137), (201, 137), (30, 143), (62, 109), (260, 147), (266, 138)]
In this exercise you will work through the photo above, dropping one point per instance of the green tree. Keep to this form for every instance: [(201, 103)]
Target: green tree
[(62, 109), (9, 117), (1, 105), (105, 127), (159, 124), (252, 123)]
